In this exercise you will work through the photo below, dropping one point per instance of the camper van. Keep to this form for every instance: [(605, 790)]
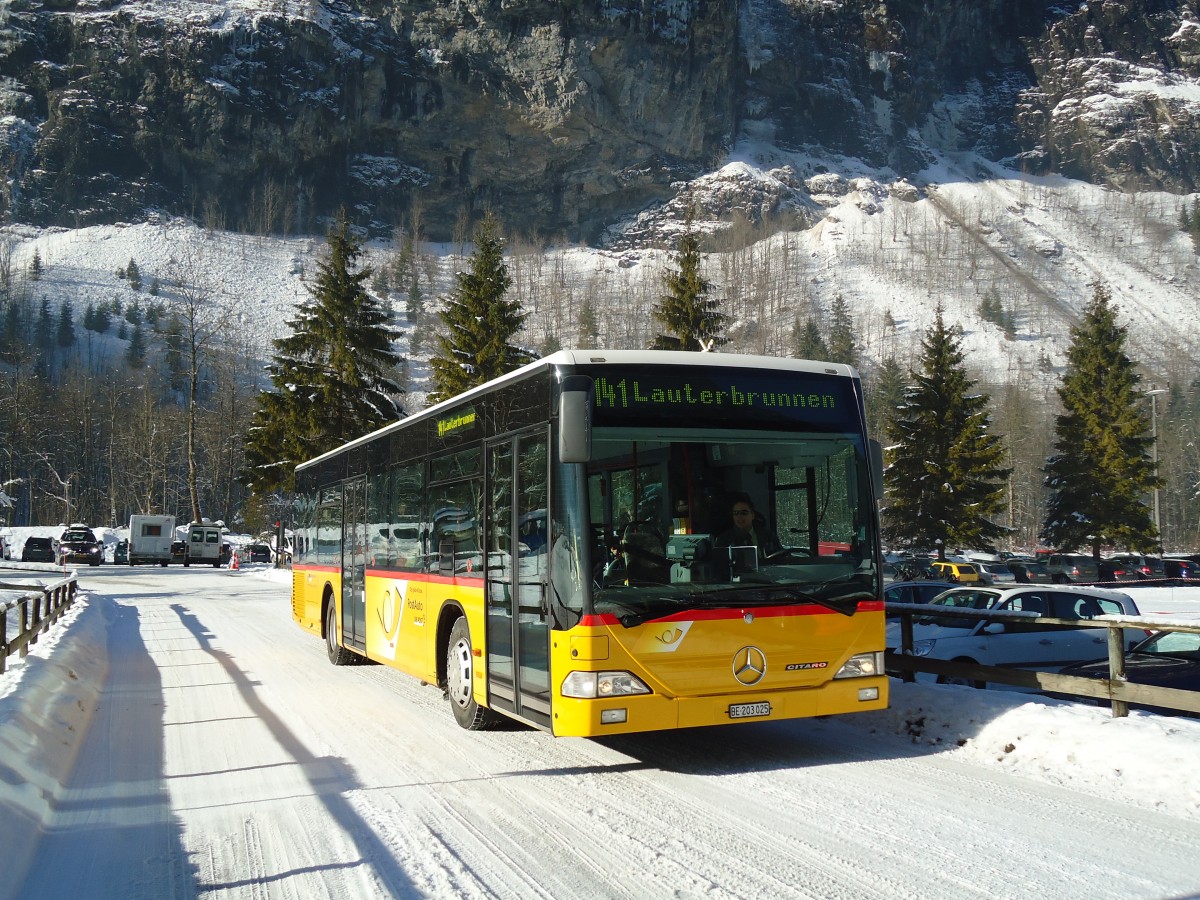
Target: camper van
[(203, 544), (150, 539)]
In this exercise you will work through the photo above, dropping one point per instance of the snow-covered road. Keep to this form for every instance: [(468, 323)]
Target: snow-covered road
[(206, 748)]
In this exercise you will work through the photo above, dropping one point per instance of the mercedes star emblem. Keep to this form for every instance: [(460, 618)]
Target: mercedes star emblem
[(749, 665)]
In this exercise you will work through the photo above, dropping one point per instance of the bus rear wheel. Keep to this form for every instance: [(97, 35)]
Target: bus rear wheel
[(460, 684), (338, 655)]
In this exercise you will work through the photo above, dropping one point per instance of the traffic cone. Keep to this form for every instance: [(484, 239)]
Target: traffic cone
[(233, 563)]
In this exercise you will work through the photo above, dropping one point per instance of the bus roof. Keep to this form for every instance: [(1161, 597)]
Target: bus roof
[(570, 358)]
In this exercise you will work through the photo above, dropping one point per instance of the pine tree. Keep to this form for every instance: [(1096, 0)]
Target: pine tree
[(36, 268), (885, 392), (332, 376), (1101, 470), (135, 353), (44, 332), (12, 338), (44, 340), (944, 479), (414, 303), (589, 327), (692, 321), (479, 322), (103, 319), (841, 334), (65, 336), (807, 342), (134, 274)]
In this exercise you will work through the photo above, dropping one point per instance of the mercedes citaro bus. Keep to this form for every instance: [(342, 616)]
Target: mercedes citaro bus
[(547, 546)]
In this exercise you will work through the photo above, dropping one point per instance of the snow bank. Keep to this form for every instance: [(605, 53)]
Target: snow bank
[(46, 705)]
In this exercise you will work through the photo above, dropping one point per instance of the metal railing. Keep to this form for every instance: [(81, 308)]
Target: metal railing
[(33, 613), (1116, 689)]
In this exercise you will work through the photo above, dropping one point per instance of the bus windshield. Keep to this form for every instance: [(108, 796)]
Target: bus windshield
[(690, 519)]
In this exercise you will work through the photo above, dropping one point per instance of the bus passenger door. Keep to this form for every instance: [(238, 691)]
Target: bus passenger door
[(518, 551), (354, 564)]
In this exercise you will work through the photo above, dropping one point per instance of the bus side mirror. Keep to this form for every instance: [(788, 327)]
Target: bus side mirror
[(575, 419), (877, 467)]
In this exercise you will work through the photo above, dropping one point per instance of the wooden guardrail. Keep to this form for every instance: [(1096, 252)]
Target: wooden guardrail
[(1116, 689), (33, 613)]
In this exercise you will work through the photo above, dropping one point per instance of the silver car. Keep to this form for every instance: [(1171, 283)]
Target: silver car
[(992, 642), (995, 573)]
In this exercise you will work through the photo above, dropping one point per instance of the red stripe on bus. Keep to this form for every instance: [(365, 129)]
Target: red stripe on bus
[(760, 612)]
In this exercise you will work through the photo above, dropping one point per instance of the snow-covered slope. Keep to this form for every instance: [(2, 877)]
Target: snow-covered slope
[(891, 250)]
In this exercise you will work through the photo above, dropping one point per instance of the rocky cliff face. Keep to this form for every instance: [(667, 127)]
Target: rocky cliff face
[(564, 117), (1116, 100)]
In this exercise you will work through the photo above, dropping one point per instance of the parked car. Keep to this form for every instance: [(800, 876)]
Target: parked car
[(40, 549), (178, 551), (1143, 566), (80, 544), (993, 642), (1072, 567), (1181, 568), (1116, 570), (258, 553), (915, 591), (121, 552), (1166, 659), (1029, 572), (964, 572), (995, 573)]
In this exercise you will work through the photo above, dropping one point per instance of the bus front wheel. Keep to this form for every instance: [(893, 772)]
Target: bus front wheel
[(460, 689), (338, 655)]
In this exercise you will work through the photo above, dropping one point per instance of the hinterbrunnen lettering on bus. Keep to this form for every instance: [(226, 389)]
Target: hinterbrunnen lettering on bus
[(623, 395), (462, 420)]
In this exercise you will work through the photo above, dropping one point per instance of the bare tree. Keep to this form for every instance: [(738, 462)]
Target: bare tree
[(196, 296), (63, 482)]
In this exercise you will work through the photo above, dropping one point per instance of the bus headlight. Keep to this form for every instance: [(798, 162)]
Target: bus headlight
[(863, 665), (591, 685)]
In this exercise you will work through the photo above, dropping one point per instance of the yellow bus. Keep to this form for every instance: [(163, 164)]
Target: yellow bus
[(554, 546)]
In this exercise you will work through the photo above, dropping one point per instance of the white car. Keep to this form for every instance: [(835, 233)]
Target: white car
[(992, 642)]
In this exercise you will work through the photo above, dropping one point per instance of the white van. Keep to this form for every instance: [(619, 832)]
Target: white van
[(203, 544), (150, 539)]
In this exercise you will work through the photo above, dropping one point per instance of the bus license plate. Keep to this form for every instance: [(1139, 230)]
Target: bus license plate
[(748, 710)]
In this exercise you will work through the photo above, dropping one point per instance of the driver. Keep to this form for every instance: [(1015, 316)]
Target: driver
[(748, 530)]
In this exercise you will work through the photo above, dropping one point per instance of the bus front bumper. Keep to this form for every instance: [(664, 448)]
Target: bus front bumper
[(656, 712)]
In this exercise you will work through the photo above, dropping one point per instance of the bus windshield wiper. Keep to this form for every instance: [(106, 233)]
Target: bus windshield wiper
[(635, 610), (654, 608)]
